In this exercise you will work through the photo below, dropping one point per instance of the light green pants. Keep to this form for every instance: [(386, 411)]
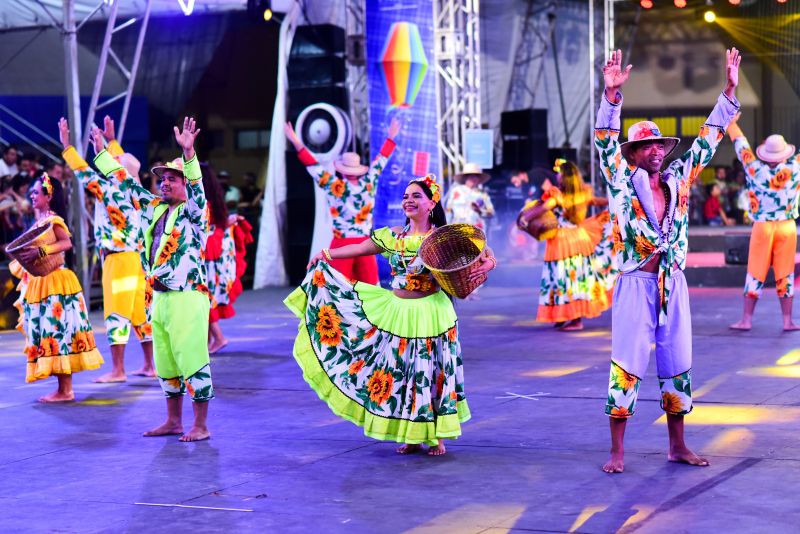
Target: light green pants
[(180, 343)]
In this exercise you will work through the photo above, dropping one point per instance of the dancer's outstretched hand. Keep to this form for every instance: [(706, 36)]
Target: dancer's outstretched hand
[(291, 135), (394, 128), (732, 61), (63, 132), (614, 75), (97, 139), (108, 129), (186, 137), (315, 260)]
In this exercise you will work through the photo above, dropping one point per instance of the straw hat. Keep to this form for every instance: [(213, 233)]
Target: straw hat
[(646, 131), (174, 165), (131, 164), (471, 169), (774, 149), (350, 163)]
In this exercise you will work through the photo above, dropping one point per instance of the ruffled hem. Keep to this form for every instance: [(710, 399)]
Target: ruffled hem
[(377, 427), (221, 311), (573, 310), (65, 364), (578, 240)]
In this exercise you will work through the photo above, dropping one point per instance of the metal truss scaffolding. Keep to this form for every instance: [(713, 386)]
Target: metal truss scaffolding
[(357, 73), (535, 38), (457, 59)]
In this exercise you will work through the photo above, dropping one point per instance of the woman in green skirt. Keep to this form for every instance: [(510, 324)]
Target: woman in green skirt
[(388, 361)]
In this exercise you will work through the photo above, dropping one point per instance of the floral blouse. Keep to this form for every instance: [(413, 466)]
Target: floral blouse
[(179, 263), (350, 204), (117, 225), (772, 191), (638, 236), (458, 205), (408, 272)]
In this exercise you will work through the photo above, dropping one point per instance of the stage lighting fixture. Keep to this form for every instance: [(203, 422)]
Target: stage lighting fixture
[(734, 2), (680, 4), (268, 14), (782, 1), (709, 16), (647, 4)]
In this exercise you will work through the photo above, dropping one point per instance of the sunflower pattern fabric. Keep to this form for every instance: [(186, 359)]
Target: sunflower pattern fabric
[(350, 204), (623, 391), (637, 234), (458, 205), (572, 287), (390, 365), (220, 265), (55, 321), (179, 263), (772, 191)]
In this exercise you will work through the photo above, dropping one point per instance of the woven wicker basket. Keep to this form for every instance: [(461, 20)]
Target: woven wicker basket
[(451, 253), (542, 227), (37, 236)]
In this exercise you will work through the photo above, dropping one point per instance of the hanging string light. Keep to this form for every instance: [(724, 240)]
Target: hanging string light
[(647, 4), (680, 4)]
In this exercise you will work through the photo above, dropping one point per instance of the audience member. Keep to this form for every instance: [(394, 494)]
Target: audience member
[(714, 214), (8, 163)]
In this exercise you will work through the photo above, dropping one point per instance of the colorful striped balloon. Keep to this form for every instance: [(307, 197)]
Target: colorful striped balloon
[(403, 64)]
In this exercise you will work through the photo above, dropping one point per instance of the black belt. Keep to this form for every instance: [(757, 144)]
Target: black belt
[(158, 286)]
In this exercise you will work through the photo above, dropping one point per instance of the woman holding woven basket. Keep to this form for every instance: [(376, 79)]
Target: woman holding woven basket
[(388, 361), (575, 281), (53, 312)]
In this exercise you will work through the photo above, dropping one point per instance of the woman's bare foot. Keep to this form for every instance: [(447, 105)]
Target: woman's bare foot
[(408, 448), (685, 456), (111, 378), (438, 450), (615, 464), (149, 372), (169, 428), (217, 345), (57, 396), (742, 325), (559, 324), (572, 326), (196, 434)]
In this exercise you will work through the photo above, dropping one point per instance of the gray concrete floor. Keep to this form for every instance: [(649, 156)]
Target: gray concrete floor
[(529, 460)]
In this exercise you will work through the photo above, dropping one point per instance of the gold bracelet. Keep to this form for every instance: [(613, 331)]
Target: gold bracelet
[(42, 252), (327, 254)]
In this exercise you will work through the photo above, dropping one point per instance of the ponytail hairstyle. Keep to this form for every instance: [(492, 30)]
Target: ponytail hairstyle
[(576, 195), (54, 189), (218, 211), (432, 190)]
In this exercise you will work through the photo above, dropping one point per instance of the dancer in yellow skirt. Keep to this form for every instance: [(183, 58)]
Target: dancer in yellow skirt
[(388, 361), (572, 287), (53, 314)]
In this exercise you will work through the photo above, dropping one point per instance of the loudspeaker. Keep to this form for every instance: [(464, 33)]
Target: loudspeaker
[(524, 123), (569, 154), (299, 217), (316, 71), (300, 99), (316, 40), (737, 248), (525, 141), (524, 153)]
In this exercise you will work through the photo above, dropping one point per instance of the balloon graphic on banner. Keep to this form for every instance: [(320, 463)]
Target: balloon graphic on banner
[(403, 64)]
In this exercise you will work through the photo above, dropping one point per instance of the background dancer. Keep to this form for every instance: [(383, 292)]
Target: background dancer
[(388, 361), (176, 234), (466, 201), (650, 210), (351, 199), (224, 256), (773, 183), (571, 288), (53, 314), (118, 239)]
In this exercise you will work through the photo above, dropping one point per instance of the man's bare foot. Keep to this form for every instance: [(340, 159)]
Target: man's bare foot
[(790, 327), (572, 326), (408, 448), (685, 456), (615, 464), (167, 429), (111, 378), (149, 372), (217, 345), (438, 450), (741, 325), (57, 396), (196, 434)]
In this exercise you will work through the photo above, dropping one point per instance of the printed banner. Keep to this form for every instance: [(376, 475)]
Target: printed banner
[(400, 71)]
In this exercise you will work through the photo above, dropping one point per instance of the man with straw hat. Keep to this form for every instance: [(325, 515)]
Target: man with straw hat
[(650, 213), (773, 183), (351, 198), (466, 202), (176, 231), (117, 233)]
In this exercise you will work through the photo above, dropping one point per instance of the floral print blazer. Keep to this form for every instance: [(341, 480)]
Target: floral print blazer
[(638, 236), (179, 263), (772, 191)]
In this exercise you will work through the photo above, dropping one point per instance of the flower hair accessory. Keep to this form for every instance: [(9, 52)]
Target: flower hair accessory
[(430, 181), (47, 185), (558, 163)]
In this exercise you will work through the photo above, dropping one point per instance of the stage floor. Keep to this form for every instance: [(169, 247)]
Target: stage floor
[(529, 460)]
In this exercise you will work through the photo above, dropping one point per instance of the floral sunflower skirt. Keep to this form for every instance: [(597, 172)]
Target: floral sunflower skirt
[(570, 289), (55, 321), (390, 365)]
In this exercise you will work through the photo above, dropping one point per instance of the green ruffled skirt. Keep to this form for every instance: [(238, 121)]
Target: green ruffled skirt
[(390, 365)]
